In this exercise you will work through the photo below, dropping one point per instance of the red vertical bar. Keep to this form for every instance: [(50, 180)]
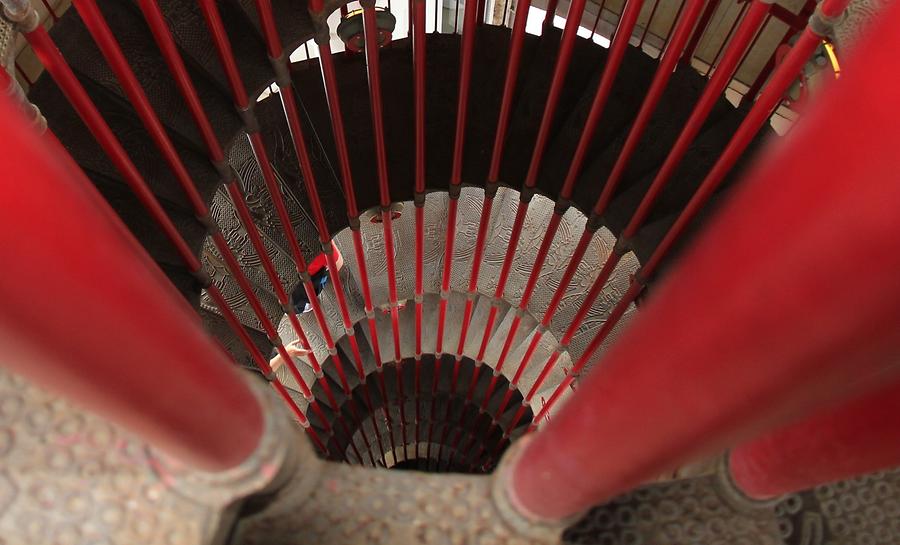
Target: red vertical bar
[(549, 15), (617, 52), (60, 71), (466, 51), (766, 71), (556, 86), (558, 80), (651, 101), (710, 95), (847, 441), (374, 77), (823, 218), (755, 119), (110, 48), (509, 87), (279, 61), (419, 73), (715, 59), (702, 24), (50, 11), (649, 22), (104, 282), (337, 124)]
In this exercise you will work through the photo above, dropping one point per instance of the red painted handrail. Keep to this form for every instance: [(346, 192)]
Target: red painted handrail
[(850, 440)]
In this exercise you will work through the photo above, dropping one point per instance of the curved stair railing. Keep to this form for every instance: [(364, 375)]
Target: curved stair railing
[(529, 285), (276, 256)]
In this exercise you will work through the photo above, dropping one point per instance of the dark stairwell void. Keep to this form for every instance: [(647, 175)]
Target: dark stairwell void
[(432, 424)]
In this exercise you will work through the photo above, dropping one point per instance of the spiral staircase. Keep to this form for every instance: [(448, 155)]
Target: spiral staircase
[(451, 401)]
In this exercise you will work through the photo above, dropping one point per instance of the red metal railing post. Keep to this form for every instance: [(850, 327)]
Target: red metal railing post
[(208, 417), (711, 94), (567, 45), (618, 47), (329, 79), (752, 365), (419, 75), (647, 25), (847, 441), (111, 51), (512, 71), (758, 115), (712, 64), (663, 73), (373, 71), (278, 59), (549, 16), (696, 36), (766, 71)]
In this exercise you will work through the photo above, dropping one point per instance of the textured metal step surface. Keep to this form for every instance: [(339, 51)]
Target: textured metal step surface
[(539, 214), (860, 511)]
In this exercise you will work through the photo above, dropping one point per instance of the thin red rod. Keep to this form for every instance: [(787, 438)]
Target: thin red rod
[(452, 207), (62, 74), (223, 48), (672, 28), (711, 94), (617, 52), (176, 65), (512, 71), (50, 11), (556, 86), (467, 49), (209, 418), (651, 101), (289, 104), (699, 31), (373, 71), (329, 79), (725, 41), (374, 77), (558, 80), (756, 118), (649, 21), (823, 219), (419, 77), (847, 441), (516, 42), (549, 15), (472, 292), (178, 70)]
